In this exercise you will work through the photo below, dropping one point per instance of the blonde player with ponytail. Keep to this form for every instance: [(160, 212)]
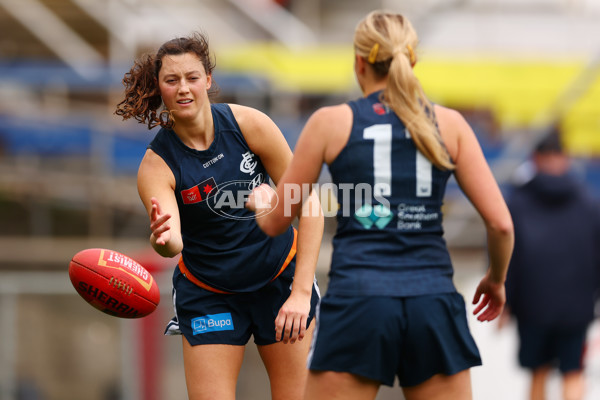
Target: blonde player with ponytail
[(391, 54), (391, 308)]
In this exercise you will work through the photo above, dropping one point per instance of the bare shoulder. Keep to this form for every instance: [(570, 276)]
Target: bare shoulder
[(249, 118), (153, 168), (329, 129), (331, 121), (453, 127), (336, 113), (256, 126), (264, 138), (151, 161), (449, 120)]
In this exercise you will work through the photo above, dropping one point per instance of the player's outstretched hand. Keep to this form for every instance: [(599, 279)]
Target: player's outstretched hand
[(159, 224), (290, 324), (490, 298)]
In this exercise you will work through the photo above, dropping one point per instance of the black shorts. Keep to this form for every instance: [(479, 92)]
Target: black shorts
[(379, 338), (206, 317), (543, 346)]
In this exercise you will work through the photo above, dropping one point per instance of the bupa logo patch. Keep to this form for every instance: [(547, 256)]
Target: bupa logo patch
[(212, 323)]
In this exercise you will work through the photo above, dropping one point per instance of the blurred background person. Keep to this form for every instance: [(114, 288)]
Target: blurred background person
[(553, 276)]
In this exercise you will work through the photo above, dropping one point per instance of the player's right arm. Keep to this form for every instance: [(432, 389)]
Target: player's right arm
[(156, 187)]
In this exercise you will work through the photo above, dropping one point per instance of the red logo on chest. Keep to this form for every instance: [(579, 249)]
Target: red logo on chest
[(200, 192)]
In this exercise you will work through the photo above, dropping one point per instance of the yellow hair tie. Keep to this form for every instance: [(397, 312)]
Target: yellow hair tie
[(411, 55), (373, 53)]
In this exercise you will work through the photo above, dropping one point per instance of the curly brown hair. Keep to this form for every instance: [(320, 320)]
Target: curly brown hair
[(142, 94)]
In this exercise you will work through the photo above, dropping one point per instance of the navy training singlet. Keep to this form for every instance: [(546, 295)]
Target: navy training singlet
[(389, 239), (222, 244)]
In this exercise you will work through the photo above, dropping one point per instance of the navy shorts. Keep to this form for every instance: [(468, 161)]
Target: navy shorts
[(205, 317), (542, 346), (379, 338)]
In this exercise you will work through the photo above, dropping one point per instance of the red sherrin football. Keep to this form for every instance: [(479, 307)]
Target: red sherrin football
[(114, 283)]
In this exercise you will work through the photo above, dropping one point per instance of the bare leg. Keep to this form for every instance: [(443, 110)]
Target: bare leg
[(330, 385), (286, 366), (211, 370), (573, 385), (539, 377), (442, 387)]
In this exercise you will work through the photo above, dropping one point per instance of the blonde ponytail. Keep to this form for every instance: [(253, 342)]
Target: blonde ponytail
[(388, 41)]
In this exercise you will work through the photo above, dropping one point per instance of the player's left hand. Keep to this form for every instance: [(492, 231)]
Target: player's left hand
[(259, 201), (490, 298), (260, 198), (290, 324)]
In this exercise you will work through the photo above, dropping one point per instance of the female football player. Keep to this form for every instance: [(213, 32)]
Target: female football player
[(232, 281), (391, 307)]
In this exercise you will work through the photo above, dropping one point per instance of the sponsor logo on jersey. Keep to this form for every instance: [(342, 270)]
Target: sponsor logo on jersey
[(212, 323), (413, 216), (213, 160), (248, 164), (202, 191), (380, 109), (379, 215), (256, 181)]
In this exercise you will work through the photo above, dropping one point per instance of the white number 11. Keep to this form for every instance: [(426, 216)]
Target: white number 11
[(382, 162)]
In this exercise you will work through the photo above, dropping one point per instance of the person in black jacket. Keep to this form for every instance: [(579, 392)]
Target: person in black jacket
[(553, 274)]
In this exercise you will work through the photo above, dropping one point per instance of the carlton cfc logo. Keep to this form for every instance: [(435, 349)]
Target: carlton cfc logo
[(248, 164)]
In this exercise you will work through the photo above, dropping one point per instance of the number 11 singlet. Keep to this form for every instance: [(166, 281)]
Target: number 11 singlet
[(389, 239)]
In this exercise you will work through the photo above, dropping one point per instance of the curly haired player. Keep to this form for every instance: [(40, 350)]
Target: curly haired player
[(232, 281)]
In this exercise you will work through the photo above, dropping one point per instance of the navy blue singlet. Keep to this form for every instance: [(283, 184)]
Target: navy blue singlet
[(222, 244), (389, 237)]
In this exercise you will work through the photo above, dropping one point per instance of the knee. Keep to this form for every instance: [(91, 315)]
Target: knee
[(573, 385)]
